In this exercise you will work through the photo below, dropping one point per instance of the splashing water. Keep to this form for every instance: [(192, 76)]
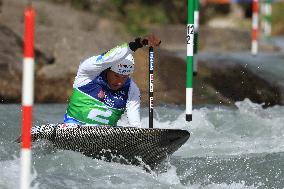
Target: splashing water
[(232, 148)]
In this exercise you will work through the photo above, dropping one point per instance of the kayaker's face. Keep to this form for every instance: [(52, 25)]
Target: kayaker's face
[(115, 80)]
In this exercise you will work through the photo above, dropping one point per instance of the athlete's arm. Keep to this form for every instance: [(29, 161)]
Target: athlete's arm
[(133, 106), (93, 66)]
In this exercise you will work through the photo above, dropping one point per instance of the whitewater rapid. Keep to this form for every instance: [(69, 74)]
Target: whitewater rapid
[(230, 147)]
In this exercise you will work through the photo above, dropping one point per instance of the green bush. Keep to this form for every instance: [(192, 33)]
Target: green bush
[(139, 18), (136, 15), (277, 18)]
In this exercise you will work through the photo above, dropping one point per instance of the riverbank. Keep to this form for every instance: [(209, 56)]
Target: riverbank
[(65, 36)]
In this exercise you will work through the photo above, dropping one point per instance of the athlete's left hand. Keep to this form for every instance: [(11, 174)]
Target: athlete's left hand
[(153, 40)]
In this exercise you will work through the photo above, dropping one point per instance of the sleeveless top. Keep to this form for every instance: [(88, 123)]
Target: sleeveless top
[(95, 103)]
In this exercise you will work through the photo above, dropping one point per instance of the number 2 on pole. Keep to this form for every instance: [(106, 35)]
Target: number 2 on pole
[(189, 33)]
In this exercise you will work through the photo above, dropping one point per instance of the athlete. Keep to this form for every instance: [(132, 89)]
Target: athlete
[(103, 88)]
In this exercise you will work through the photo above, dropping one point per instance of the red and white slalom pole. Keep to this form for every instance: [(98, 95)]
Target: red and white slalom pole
[(27, 96), (254, 43)]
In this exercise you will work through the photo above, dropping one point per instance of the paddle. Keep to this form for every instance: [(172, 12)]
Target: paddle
[(151, 85)]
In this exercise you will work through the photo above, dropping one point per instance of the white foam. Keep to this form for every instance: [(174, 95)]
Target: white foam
[(227, 131), (10, 174), (217, 131), (223, 186)]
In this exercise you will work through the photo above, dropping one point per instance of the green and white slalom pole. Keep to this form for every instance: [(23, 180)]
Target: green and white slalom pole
[(189, 58), (196, 30), (267, 18)]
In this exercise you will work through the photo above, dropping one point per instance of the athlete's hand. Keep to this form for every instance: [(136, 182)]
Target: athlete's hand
[(153, 40)]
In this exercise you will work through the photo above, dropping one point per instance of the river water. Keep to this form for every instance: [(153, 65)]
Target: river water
[(229, 148)]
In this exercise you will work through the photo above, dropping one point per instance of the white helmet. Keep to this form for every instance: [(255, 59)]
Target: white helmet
[(125, 67)]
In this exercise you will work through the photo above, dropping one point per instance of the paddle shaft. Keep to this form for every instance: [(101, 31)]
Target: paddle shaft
[(151, 86)]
